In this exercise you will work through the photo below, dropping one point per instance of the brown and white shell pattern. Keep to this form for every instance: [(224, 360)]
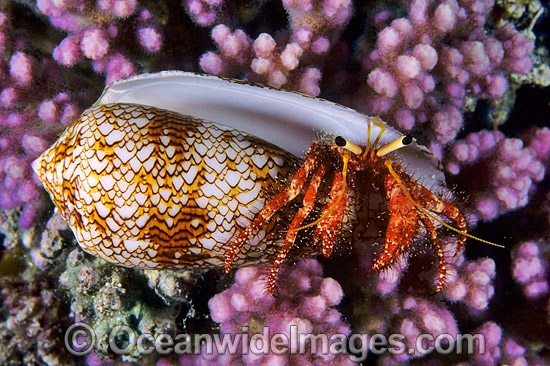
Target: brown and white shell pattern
[(149, 188)]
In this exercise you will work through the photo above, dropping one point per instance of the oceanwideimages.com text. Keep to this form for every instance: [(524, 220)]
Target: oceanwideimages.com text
[(80, 339)]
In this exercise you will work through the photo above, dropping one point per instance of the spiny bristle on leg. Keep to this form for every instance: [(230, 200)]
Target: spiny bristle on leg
[(260, 287), (394, 268)]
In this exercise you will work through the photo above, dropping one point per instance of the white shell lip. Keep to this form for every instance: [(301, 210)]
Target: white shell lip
[(287, 119)]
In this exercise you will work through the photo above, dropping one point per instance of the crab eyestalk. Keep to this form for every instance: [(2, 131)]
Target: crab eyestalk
[(395, 145), (348, 145)]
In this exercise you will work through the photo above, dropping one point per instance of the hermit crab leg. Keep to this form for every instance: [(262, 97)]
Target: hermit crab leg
[(401, 227), (308, 203), (433, 203), (331, 221), (274, 205), (454, 214), (428, 224)]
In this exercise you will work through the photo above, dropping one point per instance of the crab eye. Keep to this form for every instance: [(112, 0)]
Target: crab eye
[(348, 145), (407, 140), (340, 141), (395, 145)]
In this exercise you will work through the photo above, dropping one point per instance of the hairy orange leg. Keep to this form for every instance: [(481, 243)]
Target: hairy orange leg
[(401, 226), (418, 202), (439, 207), (428, 224), (281, 199), (332, 215), (308, 202), (431, 202)]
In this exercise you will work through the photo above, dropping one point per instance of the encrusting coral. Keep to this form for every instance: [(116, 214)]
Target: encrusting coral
[(441, 70)]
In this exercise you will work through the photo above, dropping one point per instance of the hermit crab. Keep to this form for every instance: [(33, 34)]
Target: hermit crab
[(178, 170)]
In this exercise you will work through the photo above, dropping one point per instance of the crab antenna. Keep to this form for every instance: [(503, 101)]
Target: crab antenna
[(382, 130), (348, 145), (427, 212), (395, 145), (368, 139), (344, 174)]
